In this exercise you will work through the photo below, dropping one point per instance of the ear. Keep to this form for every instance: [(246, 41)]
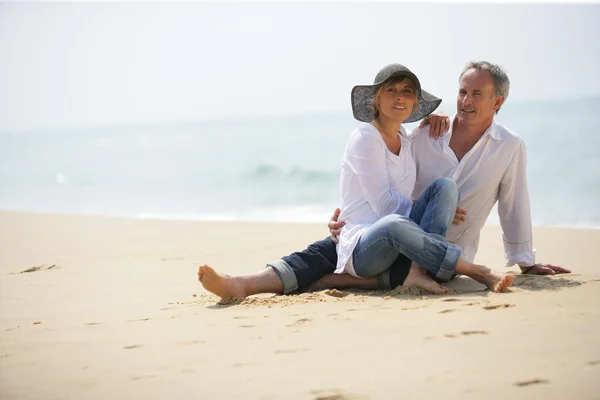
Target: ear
[(498, 102)]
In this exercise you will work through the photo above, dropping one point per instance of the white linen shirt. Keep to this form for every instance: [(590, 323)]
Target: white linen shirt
[(493, 170), (374, 183)]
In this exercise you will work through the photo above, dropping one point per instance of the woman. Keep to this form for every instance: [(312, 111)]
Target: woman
[(378, 177)]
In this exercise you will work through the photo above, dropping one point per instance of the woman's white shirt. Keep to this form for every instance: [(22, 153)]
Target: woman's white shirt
[(374, 183)]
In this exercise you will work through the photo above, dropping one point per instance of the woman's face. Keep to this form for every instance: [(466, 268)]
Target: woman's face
[(396, 100)]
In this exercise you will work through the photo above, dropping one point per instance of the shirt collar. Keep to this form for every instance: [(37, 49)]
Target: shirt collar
[(492, 130)]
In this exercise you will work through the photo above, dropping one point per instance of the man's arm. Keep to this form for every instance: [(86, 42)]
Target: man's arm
[(515, 218)]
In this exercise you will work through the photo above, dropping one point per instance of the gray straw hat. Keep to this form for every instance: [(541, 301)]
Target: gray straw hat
[(362, 95)]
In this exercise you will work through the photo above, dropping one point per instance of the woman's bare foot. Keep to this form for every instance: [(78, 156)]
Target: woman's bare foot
[(417, 277), (224, 286)]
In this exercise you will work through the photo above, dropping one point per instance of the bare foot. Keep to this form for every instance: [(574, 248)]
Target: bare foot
[(496, 281), (417, 277), (224, 286)]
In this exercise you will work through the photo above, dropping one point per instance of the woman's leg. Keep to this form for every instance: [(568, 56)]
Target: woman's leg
[(436, 207), (383, 242)]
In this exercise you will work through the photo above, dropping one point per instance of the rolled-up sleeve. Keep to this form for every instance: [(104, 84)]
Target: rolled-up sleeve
[(515, 212), (366, 157)]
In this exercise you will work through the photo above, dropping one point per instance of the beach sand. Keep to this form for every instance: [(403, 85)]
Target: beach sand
[(103, 308)]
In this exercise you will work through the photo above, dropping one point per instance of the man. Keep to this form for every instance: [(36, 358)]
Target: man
[(486, 160)]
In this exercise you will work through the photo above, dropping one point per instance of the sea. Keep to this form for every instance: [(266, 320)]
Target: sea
[(281, 168)]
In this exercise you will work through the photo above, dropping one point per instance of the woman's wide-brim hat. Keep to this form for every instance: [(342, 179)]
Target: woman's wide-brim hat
[(362, 95)]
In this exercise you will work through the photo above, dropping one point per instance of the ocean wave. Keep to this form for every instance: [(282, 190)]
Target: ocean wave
[(267, 172)]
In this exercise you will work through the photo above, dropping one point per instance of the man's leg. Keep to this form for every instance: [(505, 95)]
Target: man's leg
[(240, 286), (286, 275)]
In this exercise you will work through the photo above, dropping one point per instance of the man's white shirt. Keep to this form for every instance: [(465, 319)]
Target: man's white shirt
[(493, 170)]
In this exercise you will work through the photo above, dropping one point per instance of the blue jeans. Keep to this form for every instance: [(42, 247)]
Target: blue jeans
[(419, 238)]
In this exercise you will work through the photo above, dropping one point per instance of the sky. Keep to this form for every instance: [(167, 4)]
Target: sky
[(98, 64)]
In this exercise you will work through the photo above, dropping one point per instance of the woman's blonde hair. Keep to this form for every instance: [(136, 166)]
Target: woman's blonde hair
[(390, 81)]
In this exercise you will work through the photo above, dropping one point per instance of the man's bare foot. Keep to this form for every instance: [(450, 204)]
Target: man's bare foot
[(496, 281), (224, 286), (417, 277)]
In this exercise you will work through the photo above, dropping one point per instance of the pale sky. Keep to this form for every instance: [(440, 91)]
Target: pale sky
[(87, 64)]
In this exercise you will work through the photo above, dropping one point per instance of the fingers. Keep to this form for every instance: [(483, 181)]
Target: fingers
[(336, 214), (460, 216), (424, 122), (439, 124), (540, 269), (434, 129), (335, 233), (333, 223), (557, 269), (442, 128)]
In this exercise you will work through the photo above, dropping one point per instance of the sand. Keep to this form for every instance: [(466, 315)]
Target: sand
[(99, 308)]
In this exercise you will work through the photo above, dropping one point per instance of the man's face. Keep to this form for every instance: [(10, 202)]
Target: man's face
[(476, 103)]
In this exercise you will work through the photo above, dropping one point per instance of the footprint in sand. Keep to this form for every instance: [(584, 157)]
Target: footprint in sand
[(93, 323), (301, 321), (38, 268), (592, 363), (452, 299), (138, 378), (531, 382), (243, 364), (139, 320), (465, 333), (332, 394), (247, 326), (474, 332), (289, 351), (133, 346), (191, 342), (449, 335), (448, 311), (498, 306)]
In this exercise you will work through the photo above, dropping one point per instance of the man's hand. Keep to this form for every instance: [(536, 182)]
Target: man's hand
[(544, 269), (439, 124), (460, 216), (335, 227)]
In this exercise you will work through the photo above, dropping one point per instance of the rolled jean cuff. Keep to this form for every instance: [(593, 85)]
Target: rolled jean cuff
[(448, 267), (286, 274)]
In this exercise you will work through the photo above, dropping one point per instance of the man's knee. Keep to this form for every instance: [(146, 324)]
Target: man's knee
[(447, 188)]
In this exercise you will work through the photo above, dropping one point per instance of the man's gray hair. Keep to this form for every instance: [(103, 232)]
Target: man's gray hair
[(501, 81)]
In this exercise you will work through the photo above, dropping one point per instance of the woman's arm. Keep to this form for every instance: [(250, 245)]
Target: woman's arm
[(366, 157)]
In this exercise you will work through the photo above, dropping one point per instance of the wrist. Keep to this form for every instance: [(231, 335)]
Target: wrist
[(526, 268)]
